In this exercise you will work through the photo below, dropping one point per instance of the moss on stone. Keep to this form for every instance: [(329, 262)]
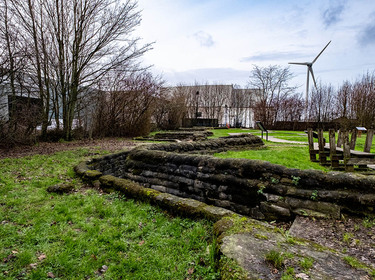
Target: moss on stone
[(106, 181), (128, 187), (61, 188), (242, 224), (190, 207), (81, 168), (261, 236), (214, 213), (222, 226), (92, 174), (148, 194)]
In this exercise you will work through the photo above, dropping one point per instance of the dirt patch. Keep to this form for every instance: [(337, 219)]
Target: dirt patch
[(353, 236), (45, 148)]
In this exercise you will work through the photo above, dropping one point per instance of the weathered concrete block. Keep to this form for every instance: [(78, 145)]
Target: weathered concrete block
[(250, 242), (273, 212), (327, 209)]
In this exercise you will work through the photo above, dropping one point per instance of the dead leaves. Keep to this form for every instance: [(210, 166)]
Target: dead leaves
[(101, 270), (42, 257), (10, 257), (191, 270), (50, 275), (33, 265)]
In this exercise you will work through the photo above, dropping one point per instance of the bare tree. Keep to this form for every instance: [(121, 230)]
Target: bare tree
[(18, 111), (74, 43), (363, 100), (344, 96), (125, 104), (171, 108), (291, 108), (212, 100), (322, 107), (272, 85)]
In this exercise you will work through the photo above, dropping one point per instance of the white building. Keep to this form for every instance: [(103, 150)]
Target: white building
[(223, 105)]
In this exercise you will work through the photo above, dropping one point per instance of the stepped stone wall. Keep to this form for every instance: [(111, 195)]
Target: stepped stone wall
[(250, 187)]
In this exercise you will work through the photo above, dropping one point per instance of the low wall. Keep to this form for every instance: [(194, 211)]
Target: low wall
[(183, 135), (254, 188)]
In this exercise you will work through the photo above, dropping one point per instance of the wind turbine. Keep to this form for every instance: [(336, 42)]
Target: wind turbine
[(310, 71)]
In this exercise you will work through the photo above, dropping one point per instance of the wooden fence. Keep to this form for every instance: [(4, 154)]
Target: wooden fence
[(331, 154)]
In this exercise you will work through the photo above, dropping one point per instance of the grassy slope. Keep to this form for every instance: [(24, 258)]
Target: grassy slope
[(292, 156), (73, 236), (289, 156)]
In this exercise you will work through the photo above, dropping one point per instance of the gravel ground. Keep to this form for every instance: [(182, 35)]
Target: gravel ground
[(353, 236)]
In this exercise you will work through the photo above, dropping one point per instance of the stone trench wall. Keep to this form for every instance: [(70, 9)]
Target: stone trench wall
[(250, 187)]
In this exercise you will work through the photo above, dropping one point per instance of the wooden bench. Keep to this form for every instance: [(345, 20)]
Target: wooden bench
[(340, 158)]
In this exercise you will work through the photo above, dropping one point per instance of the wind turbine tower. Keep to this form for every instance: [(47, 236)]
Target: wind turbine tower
[(309, 72)]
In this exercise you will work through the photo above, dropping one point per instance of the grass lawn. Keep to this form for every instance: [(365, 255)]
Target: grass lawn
[(300, 136), (294, 157), (287, 155), (90, 235), (225, 132)]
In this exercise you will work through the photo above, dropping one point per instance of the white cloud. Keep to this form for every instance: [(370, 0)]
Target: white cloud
[(201, 40), (204, 39)]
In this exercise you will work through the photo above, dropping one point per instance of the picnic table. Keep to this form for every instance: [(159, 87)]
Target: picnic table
[(346, 157)]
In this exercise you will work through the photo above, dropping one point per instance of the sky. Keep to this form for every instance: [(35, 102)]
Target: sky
[(220, 41)]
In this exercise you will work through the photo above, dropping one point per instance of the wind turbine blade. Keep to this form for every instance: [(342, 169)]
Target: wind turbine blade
[(298, 63), (312, 75), (320, 53)]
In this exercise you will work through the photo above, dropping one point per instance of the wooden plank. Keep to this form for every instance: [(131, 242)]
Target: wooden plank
[(370, 134), (339, 138), (361, 161), (321, 139), (310, 138), (332, 149), (312, 151), (346, 145), (353, 139), (332, 142), (322, 154), (353, 153), (348, 167)]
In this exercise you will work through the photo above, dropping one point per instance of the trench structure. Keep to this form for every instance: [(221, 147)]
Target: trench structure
[(254, 188)]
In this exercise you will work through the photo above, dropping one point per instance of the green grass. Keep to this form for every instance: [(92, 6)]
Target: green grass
[(299, 136), (225, 132), (90, 235), (289, 156), (302, 137), (275, 258), (292, 156)]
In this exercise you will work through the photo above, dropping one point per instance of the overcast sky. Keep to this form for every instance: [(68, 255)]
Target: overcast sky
[(219, 41)]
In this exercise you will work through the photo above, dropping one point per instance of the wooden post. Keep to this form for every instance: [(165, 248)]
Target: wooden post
[(348, 167), (339, 138), (332, 149), (322, 155), (370, 135), (353, 139), (311, 144)]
